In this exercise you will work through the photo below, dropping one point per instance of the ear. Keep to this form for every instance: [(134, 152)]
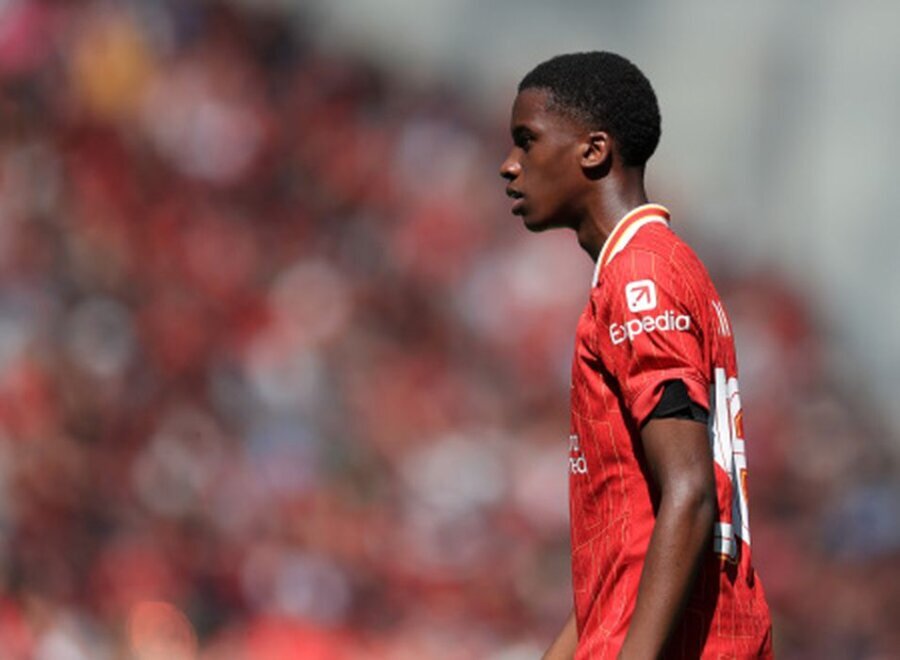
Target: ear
[(597, 149)]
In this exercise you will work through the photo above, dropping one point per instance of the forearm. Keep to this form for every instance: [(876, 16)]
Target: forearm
[(681, 535), (563, 647)]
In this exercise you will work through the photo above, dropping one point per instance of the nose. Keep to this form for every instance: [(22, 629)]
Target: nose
[(510, 168)]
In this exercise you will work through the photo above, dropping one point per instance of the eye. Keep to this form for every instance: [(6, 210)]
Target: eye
[(524, 141)]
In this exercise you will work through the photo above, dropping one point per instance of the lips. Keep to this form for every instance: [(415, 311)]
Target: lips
[(518, 199)]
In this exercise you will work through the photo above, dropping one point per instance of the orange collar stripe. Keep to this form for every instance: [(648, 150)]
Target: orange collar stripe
[(625, 230)]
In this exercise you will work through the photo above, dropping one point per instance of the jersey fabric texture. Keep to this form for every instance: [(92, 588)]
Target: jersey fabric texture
[(654, 317)]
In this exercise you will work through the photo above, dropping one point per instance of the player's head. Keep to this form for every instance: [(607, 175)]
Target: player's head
[(575, 118), (605, 92)]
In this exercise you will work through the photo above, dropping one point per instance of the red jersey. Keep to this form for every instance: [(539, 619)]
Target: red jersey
[(654, 316)]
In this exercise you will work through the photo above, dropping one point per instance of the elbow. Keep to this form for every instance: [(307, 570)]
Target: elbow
[(695, 499), (706, 508)]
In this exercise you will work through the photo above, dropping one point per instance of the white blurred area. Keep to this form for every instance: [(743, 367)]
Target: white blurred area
[(778, 146)]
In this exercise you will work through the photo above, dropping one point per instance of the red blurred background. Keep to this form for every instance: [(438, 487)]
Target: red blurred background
[(281, 378)]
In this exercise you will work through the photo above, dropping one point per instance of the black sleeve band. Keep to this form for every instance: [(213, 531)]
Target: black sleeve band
[(676, 404)]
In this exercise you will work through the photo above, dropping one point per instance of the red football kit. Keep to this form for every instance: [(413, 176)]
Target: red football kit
[(654, 316)]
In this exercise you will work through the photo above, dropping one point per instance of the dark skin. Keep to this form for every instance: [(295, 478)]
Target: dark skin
[(563, 174)]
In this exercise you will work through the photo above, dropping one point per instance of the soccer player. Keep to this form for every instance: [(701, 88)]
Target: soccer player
[(657, 485)]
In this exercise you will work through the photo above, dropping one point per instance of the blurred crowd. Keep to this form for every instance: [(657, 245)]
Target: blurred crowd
[(280, 377)]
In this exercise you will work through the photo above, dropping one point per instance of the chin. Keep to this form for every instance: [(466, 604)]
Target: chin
[(537, 225), (537, 228)]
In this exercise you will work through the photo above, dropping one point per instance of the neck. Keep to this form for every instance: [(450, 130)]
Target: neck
[(610, 201)]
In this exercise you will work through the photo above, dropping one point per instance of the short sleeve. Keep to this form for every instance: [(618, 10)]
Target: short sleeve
[(649, 331)]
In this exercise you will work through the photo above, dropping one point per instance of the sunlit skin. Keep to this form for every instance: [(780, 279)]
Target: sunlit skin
[(560, 173)]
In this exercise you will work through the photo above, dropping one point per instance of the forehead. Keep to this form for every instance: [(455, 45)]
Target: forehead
[(533, 109)]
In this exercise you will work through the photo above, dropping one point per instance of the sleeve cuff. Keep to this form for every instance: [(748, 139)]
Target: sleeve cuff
[(645, 400)]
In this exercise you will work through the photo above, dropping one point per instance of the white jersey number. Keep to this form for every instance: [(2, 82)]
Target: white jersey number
[(727, 440)]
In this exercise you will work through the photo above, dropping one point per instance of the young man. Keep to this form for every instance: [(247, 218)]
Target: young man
[(660, 539)]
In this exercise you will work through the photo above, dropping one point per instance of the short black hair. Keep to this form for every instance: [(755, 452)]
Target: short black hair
[(606, 92)]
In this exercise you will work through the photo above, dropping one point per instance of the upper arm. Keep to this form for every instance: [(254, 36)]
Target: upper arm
[(679, 456)]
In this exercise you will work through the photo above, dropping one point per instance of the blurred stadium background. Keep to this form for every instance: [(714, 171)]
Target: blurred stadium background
[(280, 377)]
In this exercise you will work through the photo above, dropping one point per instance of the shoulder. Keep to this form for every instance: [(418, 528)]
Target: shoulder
[(656, 270), (657, 253)]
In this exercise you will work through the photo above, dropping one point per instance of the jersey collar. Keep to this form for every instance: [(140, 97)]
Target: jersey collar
[(625, 230)]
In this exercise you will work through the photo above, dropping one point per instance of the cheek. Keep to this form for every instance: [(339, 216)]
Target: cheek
[(568, 179), (560, 166), (557, 183)]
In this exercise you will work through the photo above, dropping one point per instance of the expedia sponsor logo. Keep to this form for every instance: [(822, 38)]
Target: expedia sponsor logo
[(668, 321), (640, 295)]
